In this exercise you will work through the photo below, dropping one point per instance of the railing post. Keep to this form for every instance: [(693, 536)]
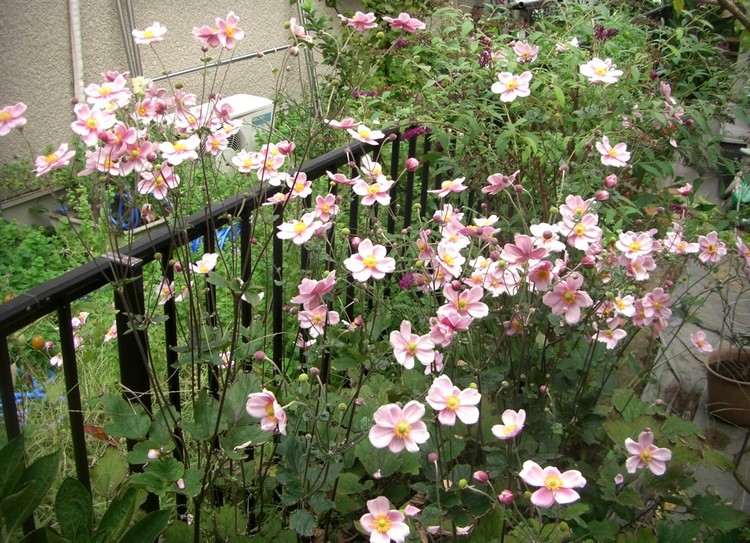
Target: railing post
[(409, 194), (353, 222), (132, 341), (10, 413), (278, 290), (425, 175), (393, 208), (73, 394), (246, 310)]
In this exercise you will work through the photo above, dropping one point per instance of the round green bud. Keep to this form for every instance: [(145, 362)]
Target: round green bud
[(463, 483), (342, 406), (303, 378), (473, 385), (380, 35)]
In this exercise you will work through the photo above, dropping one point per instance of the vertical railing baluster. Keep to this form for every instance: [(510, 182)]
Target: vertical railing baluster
[(213, 319), (132, 342), (73, 394), (353, 221), (173, 371), (409, 193), (393, 208), (425, 175), (10, 412), (278, 290), (245, 268)]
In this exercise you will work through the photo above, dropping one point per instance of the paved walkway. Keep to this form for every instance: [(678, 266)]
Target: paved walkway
[(680, 378)]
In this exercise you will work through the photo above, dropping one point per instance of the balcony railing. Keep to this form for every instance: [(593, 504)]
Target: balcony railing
[(124, 271)]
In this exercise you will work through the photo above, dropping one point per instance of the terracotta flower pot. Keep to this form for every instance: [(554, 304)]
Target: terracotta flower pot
[(728, 373)]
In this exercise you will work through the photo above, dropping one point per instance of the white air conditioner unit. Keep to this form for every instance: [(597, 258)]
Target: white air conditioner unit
[(256, 113)]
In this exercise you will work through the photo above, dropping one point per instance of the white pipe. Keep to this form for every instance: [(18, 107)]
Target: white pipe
[(76, 47)]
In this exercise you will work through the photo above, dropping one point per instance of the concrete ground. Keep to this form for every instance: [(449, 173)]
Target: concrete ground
[(680, 377)]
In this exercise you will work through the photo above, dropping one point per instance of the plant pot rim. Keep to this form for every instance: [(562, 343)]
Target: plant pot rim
[(727, 354)]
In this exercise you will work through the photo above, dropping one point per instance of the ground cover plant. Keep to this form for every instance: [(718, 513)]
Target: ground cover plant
[(483, 379)]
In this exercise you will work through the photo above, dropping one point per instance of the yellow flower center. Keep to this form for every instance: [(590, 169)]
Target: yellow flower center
[(179, 147), (247, 163), (373, 189), (600, 70), (579, 229), (452, 402), (269, 410), (50, 158), (711, 248), (646, 456), (5, 116), (364, 131), (635, 245), (411, 348), (229, 31), (462, 304), (612, 153), (299, 227), (148, 33), (382, 524), (370, 261), (105, 90), (569, 296), (508, 429), (553, 482), (91, 122), (448, 259), (135, 153), (299, 187), (402, 429), (511, 85)]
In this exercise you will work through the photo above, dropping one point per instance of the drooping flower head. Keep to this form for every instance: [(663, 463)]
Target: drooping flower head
[(12, 117), (263, 405), (513, 423), (54, 161), (405, 22)]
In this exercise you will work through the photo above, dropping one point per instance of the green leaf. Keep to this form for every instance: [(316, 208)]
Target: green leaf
[(603, 530), (128, 421), (74, 511), (723, 517), (488, 528), (148, 528), (178, 532), (169, 469), (11, 460), (205, 412), (117, 517), (109, 472), (32, 487), (302, 522), (466, 27)]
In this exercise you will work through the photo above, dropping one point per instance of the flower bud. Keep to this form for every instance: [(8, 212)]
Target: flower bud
[(610, 181), (412, 164), (294, 51), (303, 378), (411, 511), (380, 35), (518, 188), (314, 372), (355, 241), (346, 231), (473, 385), (481, 476), (342, 406), (601, 196), (588, 261), (543, 390), (153, 454), (619, 479), (463, 483), (432, 457), (506, 497), (260, 356)]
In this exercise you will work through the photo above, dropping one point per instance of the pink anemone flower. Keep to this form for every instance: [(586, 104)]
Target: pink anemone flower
[(383, 523), (399, 429), (54, 161), (405, 22), (567, 300), (263, 405), (451, 402), (12, 117), (408, 346), (513, 423), (370, 261), (644, 454), (554, 487)]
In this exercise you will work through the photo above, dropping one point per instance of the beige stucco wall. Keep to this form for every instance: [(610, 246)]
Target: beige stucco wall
[(36, 58)]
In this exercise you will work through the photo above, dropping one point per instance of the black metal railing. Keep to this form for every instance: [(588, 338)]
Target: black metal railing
[(124, 271)]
